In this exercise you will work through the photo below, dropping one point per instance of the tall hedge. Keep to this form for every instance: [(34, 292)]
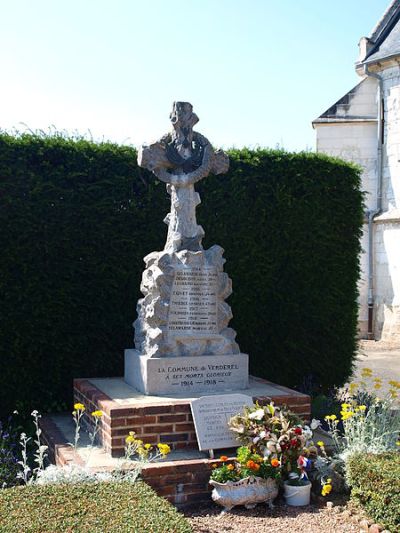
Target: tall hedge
[(78, 217)]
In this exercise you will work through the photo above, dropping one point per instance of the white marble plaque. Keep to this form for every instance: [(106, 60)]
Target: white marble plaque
[(193, 303), (211, 415)]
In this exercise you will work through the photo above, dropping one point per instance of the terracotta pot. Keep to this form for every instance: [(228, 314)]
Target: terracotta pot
[(248, 492)]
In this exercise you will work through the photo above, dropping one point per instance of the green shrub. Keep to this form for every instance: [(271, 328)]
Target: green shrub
[(77, 219), (100, 507), (375, 484)]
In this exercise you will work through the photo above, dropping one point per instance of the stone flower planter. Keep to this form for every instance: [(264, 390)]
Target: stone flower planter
[(248, 492)]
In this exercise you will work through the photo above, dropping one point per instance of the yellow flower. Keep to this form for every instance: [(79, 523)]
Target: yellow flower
[(148, 446), (395, 384), (163, 448), (320, 444), (130, 439), (326, 489), (353, 386), (97, 414), (345, 406), (230, 467), (393, 393), (378, 386), (366, 372), (362, 407), (398, 443), (346, 414), (79, 407), (377, 380), (331, 417)]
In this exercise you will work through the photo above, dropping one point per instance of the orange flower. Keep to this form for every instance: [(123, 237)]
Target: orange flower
[(224, 458), (252, 465), (230, 467), (214, 465), (275, 462)]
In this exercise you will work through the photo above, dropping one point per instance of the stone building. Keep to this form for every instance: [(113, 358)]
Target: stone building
[(364, 127)]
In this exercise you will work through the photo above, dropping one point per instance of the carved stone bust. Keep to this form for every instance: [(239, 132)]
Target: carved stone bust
[(180, 159)]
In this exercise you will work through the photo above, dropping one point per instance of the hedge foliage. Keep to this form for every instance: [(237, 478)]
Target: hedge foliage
[(91, 507), (375, 484), (77, 219)]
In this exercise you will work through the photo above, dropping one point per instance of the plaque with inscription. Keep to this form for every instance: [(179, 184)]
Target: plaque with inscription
[(211, 415), (193, 303)]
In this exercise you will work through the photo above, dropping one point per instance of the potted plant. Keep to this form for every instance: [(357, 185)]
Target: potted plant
[(297, 486), (246, 480)]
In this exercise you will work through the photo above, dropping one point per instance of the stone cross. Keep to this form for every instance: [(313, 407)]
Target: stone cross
[(180, 159)]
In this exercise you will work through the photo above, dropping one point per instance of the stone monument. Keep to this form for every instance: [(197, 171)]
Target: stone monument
[(182, 340)]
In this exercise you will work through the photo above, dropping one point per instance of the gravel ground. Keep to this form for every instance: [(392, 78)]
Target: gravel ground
[(282, 518)]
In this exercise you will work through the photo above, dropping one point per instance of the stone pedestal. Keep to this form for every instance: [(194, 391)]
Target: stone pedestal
[(185, 375), (182, 339)]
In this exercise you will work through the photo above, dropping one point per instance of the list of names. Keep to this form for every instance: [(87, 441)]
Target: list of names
[(193, 304)]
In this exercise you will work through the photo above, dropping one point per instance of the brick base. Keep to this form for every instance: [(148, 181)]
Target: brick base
[(168, 421), (182, 482)]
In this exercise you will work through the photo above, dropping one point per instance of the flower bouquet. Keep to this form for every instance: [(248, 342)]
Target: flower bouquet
[(276, 434)]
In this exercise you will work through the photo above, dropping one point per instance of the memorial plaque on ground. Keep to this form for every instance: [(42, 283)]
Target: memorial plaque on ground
[(211, 415)]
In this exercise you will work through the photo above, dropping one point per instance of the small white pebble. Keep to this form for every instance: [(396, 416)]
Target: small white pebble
[(329, 505)]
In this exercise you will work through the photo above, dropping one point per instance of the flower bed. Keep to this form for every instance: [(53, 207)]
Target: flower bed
[(375, 481)]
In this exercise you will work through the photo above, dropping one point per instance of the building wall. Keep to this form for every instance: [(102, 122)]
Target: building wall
[(387, 225), (357, 142)]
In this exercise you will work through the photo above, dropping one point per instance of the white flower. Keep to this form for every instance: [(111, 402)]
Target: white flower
[(267, 453), (257, 415), (262, 434), (34, 413), (255, 440), (315, 424), (307, 433)]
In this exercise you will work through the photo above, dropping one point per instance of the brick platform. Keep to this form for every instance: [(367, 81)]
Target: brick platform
[(183, 477), (162, 419)]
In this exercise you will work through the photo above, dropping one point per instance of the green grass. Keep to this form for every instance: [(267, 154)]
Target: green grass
[(89, 508)]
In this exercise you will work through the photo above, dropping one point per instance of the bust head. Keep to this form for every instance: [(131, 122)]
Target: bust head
[(183, 119)]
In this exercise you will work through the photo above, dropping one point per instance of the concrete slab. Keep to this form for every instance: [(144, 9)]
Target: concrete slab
[(122, 393)]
